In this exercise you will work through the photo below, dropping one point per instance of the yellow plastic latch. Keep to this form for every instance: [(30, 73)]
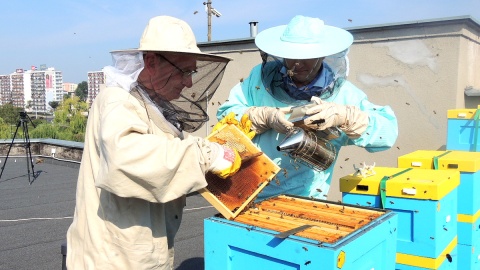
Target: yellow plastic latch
[(341, 259)]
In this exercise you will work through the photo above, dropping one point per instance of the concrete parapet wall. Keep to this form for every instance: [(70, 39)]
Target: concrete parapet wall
[(57, 149)]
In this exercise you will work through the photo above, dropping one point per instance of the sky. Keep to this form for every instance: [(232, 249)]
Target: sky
[(76, 36)]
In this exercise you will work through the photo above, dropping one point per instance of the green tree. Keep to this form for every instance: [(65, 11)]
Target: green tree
[(9, 113), (45, 130), (69, 123), (53, 104), (6, 130), (82, 91)]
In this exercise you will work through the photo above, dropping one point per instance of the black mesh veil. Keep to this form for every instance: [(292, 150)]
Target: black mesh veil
[(188, 110), (274, 81), (191, 106)]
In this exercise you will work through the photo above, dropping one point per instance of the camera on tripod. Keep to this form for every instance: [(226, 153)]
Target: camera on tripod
[(23, 122)]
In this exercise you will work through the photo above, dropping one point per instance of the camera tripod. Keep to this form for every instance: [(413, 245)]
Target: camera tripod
[(23, 122)]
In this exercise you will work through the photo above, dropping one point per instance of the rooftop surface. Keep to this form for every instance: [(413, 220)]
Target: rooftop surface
[(34, 218)]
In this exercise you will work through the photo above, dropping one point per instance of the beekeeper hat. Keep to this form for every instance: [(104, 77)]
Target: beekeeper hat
[(169, 34), (303, 38)]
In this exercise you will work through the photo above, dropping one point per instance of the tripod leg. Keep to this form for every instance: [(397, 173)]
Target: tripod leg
[(28, 153), (10, 148)]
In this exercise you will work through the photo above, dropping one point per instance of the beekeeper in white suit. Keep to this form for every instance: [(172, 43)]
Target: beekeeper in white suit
[(139, 162), (305, 62)]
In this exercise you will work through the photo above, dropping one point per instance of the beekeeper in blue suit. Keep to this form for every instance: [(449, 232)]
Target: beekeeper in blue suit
[(305, 62)]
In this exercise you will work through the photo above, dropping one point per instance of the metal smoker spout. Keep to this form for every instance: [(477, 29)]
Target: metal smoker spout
[(306, 147), (292, 141)]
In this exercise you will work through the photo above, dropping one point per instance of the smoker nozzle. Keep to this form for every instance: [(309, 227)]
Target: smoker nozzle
[(292, 141)]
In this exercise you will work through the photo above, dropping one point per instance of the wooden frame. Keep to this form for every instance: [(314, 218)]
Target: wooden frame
[(233, 195)]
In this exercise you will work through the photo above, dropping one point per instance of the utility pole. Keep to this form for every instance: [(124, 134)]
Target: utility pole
[(209, 15), (210, 10)]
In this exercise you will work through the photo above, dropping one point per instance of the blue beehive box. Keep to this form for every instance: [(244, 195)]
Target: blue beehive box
[(341, 236), (462, 130), (468, 164), (468, 230), (470, 258), (425, 201), (446, 261)]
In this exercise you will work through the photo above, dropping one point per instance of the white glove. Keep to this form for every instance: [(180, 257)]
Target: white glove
[(350, 119), (226, 161), (265, 118)]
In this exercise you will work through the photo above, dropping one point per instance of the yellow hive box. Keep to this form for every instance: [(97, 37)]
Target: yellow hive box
[(461, 113), (467, 163), (429, 184), (425, 201)]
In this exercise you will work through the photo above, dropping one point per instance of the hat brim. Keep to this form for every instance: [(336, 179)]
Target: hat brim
[(335, 41), (199, 55)]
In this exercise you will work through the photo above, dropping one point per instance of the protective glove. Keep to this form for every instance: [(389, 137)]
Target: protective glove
[(245, 125), (227, 161), (265, 118), (350, 119)]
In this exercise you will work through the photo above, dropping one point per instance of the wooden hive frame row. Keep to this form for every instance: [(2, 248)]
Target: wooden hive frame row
[(331, 221)]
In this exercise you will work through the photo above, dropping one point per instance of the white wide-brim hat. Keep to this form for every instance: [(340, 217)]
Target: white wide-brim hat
[(303, 38), (171, 35)]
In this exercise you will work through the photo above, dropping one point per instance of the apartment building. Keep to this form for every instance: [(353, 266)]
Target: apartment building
[(69, 88), (17, 97), (96, 80), (5, 89), (32, 89)]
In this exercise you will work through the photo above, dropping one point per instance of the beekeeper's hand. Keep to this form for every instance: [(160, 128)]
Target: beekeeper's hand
[(226, 161), (265, 118), (244, 125), (350, 119)]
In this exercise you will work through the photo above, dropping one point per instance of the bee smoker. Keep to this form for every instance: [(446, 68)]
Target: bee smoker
[(313, 148), (304, 145)]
